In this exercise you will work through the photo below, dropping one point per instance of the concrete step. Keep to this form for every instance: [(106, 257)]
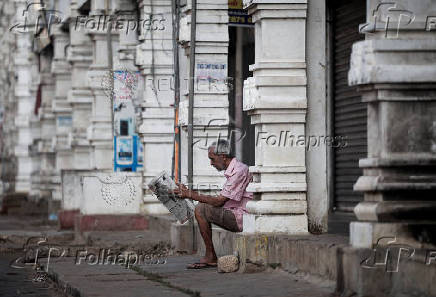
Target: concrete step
[(314, 254)]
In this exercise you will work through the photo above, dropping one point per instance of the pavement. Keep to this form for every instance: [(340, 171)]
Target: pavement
[(95, 277), (173, 279), (24, 282)]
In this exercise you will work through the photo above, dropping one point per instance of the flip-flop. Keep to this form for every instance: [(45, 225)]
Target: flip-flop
[(200, 265)]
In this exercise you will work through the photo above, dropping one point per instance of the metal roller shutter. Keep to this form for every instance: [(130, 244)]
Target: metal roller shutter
[(349, 113)]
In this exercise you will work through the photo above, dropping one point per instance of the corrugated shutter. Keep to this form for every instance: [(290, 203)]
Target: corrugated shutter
[(350, 115)]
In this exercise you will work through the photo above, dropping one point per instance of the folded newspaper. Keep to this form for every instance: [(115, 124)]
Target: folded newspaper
[(162, 186)]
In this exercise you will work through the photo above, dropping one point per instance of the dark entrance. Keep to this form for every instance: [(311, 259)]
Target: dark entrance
[(348, 115), (241, 55)]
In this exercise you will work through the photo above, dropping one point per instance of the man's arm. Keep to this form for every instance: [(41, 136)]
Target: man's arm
[(212, 200), (184, 192)]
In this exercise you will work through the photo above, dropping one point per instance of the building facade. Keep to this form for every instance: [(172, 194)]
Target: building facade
[(329, 102)]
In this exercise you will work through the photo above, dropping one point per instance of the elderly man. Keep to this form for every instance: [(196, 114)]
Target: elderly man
[(225, 210)]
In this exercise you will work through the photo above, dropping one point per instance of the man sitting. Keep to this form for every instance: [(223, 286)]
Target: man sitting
[(225, 210)]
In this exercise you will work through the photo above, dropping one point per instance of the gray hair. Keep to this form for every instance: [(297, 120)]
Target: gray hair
[(222, 147)]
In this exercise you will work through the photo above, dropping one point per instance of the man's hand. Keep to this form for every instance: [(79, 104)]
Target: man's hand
[(182, 191)]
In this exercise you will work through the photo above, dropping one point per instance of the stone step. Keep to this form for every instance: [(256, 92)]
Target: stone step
[(313, 254)]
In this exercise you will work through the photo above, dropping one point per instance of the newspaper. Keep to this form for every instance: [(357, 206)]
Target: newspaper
[(162, 186)]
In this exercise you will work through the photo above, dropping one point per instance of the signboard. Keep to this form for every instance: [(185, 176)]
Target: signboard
[(65, 121), (238, 15), (127, 147), (211, 76)]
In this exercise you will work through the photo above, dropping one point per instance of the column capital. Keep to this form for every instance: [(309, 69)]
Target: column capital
[(295, 9), (387, 61)]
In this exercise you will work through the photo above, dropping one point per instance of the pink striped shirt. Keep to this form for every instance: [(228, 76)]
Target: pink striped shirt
[(238, 177)]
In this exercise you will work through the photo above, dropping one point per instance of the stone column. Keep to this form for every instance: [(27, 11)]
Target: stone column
[(7, 99), (276, 100), (79, 55), (47, 174), (61, 70), (393, 241), (5, 53), (211, 115), (100, 129), (155, 60), (80, 96), (397, 74), (35, 186), (128, 39), (62, 109), (23, 59)]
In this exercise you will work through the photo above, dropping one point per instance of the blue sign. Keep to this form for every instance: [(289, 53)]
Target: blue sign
[(127, 153)]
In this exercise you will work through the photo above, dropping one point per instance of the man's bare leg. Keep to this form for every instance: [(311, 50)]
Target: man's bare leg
[(206, 234)]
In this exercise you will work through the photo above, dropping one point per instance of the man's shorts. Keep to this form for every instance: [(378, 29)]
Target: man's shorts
[(219, 216)]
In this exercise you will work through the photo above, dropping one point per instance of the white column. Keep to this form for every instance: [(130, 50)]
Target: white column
[(395, 69), (100, 129), (62, 110), (24, 102), (128, 39), (276, 100), (48, 128), (7, 98), (211, 116), (80, 96), (79, 55), (61, 70), (35, 187), (155, 59)]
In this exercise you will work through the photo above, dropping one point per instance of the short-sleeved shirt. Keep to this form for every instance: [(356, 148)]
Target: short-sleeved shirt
[(238, 177)]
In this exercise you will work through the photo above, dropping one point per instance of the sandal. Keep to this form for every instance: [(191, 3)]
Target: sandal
[(200, 265)]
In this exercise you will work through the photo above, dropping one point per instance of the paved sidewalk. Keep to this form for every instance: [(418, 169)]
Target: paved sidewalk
[(169, 279), (173, 279), (23, 282)]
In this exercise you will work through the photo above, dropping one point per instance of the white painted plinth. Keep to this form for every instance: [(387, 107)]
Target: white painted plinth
[(111, 193), (290, 224)]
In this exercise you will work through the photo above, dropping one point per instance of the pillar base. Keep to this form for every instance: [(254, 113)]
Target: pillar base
[(369, 234), (67, 217), (409, 276), (291, 224), (132, 222)]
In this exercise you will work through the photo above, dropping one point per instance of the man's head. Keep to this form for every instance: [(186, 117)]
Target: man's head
[(219, 154)]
